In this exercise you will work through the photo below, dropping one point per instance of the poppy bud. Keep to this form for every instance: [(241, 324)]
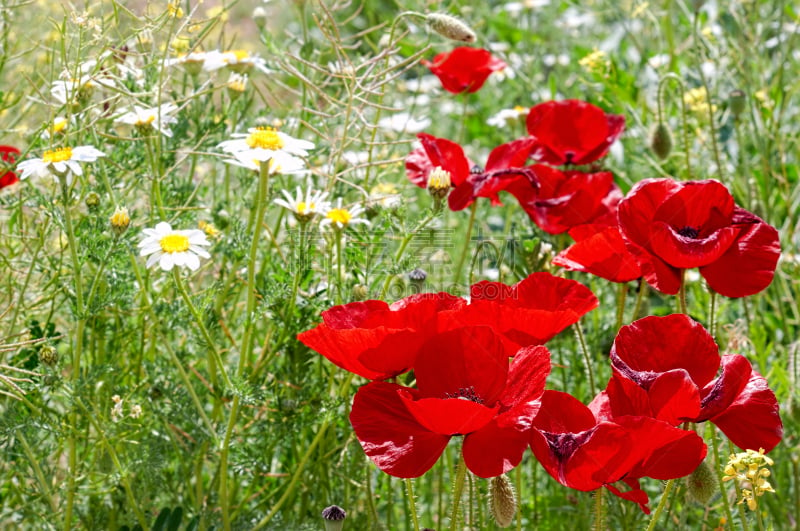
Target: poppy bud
[(334, 518), (450, 27), (503, 503), (439, 183), (661, 140), (417, 278), (701, 484), (737, 101)]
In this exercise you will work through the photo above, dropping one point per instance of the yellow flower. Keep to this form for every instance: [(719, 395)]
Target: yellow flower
[(596, 62), (749, 471), (697, 100)]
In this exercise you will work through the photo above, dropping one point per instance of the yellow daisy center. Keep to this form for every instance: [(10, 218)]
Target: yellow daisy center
[(304, 208), (339, 215), (240, 55), (57, 155), (174, 243), (59, 124), (266, 138), (147, 121)]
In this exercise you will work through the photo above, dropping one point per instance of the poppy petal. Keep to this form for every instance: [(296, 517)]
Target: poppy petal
[(390, 435), (601, 251), (493, 450), (448, 416)]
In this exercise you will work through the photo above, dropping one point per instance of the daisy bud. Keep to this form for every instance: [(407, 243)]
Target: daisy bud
[(417, 278), (92, 200), (503, 503), (120, 220), (661, 140), (450, 27), (701, 484), (334, 518), (737, 101), (48, 355), (439, 183), (260, 17)]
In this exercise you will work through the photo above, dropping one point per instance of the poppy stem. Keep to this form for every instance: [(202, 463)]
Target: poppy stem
[(412, 504), (586, 357), (458, 487), (709, 106), (682, 294), (599, 510), (712, 317), (623, 292), (718, 468), (684, 116), (463, 257), (661, 504), (642, 293)]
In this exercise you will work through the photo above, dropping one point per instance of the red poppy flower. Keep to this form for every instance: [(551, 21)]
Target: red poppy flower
[(377, 340), (572, 131), (599, 250), (566, 199), (504, 171), (585, 453), (676, 381), (531, 312), (8, 154), (464, 69), (670, 226), (465, 386)]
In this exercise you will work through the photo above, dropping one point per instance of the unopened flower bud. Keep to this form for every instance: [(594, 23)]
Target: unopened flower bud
[(334, 518), (360, 292), (417, 278), (503, 503), (661, 140), (92, 199), (48, 355), (450, 27), (120, 220), (701, 484), (260, 17), (439, 183), (737, 102)]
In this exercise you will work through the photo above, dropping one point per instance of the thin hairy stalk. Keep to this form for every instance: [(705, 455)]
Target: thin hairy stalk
[(37, 471), (412, 503), (709, 107), (623, 292), (586, 356), (458, 488), (465, 249), (398, 255), (718, 469), (661, 504), (684, 116), (599, 523), (682, 294)]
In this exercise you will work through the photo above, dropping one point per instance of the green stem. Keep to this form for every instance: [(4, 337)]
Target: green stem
[(37, 470), (640, 295), (718, 469), (712, 317), (76, 353), (214, 359), (398, 255), (682, 294), (224, 498), (258, 217), (462, 258), (586, 358), (710, 107), (684, 116), (661, 504), (599, 510), (518, 487), (337, 235), (623, 292), (458, 487), (412, 504)]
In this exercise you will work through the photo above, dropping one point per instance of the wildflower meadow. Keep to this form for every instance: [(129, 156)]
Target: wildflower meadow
[(419, 265)]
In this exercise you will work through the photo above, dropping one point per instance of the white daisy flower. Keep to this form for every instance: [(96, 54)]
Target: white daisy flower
[(342, 217), (403, 122), (59, 162), (237, 60), (193, 62), (169, 248), (506, 117), (266, 139), (304, 205), (57, 127), (74, 90), (279, 162), (144, 118)]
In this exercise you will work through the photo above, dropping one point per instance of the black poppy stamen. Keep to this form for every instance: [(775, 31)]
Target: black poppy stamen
[(466, 393), (689, 232), (476, 170)]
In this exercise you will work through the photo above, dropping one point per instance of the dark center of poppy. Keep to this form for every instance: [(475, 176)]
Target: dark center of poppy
[(466, 393), (689, 232), (569, 155), (476, 170)]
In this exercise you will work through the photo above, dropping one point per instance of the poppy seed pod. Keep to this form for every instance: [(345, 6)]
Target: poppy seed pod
[(334, 518), (701, 484), (450, 27), (503, 503), (661, 140)]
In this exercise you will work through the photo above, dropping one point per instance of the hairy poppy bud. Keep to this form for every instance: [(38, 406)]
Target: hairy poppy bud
[(334, 518), (661, 140), (450, 27), (502, 500), (737, 101), (701, 484)]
